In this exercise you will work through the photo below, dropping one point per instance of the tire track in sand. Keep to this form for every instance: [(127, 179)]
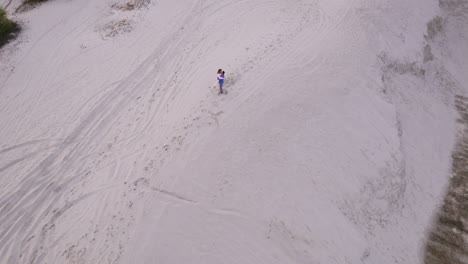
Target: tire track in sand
[(30, 208)]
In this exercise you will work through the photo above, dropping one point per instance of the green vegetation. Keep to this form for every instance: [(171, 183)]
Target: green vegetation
[(8, 28)]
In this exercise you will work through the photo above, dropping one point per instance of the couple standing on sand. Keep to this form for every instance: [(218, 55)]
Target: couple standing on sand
[(220, 80)]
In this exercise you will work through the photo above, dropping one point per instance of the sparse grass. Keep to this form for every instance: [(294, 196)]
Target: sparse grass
[(8, 28), (28, 5), (447, 239)]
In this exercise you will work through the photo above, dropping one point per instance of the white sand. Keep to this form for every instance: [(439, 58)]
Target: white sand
[(333, 144)]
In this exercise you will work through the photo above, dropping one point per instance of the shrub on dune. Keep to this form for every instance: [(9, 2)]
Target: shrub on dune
[(8, 28)]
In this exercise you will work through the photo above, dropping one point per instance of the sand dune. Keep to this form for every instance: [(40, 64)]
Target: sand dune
[(333, 144)]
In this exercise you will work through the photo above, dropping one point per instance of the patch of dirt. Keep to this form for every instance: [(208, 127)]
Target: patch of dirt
[(434, 27), (115, 28), (123, 7), (454, 5), (427, 53), (131, 5), (402, 67)]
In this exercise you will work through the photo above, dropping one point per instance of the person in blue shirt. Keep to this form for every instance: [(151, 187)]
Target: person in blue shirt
[(220, 80)]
